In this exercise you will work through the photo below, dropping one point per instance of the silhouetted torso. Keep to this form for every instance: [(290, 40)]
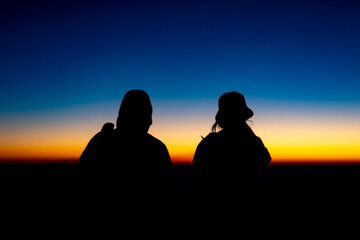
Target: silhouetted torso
[(225, 165), (125, 166)]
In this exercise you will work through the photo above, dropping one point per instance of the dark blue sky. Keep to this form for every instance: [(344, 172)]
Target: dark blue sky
[(60, 53)]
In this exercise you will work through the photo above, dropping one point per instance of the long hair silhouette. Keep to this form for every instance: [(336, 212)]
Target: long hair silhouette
[(135, 112), (126, 164)]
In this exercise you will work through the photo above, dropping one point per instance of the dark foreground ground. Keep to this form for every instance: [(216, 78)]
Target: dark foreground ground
[(331, 188)]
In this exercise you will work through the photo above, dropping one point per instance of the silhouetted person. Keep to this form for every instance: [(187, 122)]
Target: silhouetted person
[(126, 164), (225, 163)]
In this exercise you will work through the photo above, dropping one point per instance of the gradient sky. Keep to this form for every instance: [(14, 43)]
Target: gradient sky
[(65, 66)]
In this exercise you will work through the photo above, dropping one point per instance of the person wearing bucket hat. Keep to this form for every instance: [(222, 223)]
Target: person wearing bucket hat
[(225, 163), (232, 110)]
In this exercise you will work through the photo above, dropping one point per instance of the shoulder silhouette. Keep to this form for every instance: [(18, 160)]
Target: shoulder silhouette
[(127, 164), (225, 163)]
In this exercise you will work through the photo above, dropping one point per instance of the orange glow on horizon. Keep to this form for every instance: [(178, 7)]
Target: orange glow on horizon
[(52, 151), (291, 137)]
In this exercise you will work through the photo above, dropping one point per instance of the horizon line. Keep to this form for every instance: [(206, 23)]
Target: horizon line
[(181, 161)]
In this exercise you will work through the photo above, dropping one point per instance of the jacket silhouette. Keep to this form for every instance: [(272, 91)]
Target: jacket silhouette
[(225, 163), (127, 164)]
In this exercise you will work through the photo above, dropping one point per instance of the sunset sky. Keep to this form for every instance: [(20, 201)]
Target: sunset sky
[(66, 65)]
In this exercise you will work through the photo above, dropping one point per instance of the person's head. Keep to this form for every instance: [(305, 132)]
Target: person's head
[(135, 113), (232, 111)]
